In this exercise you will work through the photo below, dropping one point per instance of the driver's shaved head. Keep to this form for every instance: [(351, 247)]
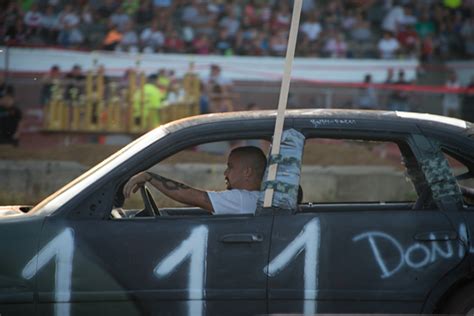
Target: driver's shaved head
[(252, 157)]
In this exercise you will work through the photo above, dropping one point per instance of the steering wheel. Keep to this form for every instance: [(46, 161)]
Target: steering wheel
[(150, 206)]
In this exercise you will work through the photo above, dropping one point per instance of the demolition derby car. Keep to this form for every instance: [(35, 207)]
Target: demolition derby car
[(389, 234)]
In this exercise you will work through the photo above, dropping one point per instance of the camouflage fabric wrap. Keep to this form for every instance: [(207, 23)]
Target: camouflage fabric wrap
[(279, 159), (281, 187), (440, 177), (288, 174)]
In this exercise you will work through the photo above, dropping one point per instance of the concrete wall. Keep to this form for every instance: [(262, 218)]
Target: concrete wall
[(27, 182)]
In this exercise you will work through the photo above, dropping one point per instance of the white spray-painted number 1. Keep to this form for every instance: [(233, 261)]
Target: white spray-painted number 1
[(60, 248), (195, 248), (309, 241)]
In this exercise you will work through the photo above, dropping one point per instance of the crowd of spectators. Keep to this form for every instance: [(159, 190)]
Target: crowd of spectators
[(425, 29)]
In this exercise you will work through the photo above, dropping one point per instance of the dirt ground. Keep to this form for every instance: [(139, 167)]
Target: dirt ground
[(319, 154)]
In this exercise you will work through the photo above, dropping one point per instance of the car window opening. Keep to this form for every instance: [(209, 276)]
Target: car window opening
[(348, 174)]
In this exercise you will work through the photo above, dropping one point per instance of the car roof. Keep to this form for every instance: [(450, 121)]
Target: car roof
[(430, 121)]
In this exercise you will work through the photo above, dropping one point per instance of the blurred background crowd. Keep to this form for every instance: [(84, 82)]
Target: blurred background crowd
[(430, 33), (424, 29)]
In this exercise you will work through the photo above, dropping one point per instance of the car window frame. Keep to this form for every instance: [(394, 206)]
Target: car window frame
[(180, 137)]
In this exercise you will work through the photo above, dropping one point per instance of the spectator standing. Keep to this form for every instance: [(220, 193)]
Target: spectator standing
[(468, 103), (367, 98), (388, 46), (398, 99), (443, 40), (5, 88), (10, 117), (389, 79), (467, 33), (75, 82), (48, 81), (451, 101), (427, 49), (218, 89), (147, 102), (163, 82)]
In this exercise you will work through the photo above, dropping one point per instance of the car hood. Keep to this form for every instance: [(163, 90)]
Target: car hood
[(14, 210)]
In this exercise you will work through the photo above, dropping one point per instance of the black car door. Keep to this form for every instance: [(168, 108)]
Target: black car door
[(170, 265), (364, 257)]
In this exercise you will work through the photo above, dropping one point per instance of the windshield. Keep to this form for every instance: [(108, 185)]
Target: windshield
[(63, 195)]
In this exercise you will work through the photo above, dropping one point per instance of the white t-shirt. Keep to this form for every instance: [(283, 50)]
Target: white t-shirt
[(311, 29), (388, 47), (392, 19), (234, 201)]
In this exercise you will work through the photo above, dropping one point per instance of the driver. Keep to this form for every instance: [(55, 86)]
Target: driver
[(245, 168)]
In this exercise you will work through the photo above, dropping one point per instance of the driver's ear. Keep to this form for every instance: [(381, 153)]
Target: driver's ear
[(248, 171)]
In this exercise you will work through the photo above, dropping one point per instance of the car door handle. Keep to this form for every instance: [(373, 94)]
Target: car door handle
[(436, 236), (242, 238)]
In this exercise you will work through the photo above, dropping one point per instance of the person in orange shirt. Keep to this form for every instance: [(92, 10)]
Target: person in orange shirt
[(112, 38)]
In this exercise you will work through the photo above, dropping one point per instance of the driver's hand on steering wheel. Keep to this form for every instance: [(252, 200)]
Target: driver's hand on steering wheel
[(134, 183)]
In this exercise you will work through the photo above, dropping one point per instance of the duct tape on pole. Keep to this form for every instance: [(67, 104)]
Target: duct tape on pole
[(285, 87)]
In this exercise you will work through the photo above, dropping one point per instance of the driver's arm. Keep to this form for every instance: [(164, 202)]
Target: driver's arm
[(173, 189)]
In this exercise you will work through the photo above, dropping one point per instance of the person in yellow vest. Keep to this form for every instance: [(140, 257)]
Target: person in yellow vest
[(147, 104), (163, 82)]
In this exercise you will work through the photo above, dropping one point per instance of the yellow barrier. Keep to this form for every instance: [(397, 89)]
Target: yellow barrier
[(108, 109)]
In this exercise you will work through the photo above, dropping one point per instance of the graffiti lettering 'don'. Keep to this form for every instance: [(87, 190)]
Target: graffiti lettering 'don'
[(416, 255)]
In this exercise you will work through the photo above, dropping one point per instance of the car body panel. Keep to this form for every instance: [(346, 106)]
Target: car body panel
[(70, 258)]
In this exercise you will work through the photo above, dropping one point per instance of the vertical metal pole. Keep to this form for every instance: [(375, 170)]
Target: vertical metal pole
[(285, 87)]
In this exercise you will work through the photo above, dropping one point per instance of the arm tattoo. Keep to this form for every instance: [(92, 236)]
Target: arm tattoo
[(168, 183)]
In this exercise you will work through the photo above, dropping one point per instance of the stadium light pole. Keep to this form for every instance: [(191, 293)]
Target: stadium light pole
[(285, 87)]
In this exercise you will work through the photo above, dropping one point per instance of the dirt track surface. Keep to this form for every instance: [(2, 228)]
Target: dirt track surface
[(90, 154)]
